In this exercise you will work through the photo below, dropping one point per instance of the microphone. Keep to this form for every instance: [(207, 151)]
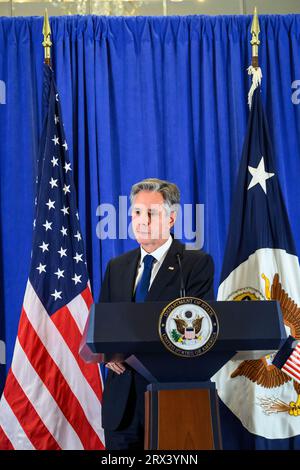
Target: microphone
[(182, 286)]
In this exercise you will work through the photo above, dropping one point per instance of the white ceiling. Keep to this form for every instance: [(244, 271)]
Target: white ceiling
[(147, 7)]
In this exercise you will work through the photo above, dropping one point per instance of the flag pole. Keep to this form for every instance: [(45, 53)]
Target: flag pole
[(47, 39), (254, 68), (255, 42)]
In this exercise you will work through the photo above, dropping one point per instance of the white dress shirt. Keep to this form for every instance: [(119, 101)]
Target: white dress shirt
[(159, 254)]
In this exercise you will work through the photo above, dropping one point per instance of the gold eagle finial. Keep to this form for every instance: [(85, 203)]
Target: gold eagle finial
[(47, 38)]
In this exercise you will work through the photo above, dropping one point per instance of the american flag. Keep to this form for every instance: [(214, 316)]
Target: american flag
[(288, 358), (52, 398), (292, 365)]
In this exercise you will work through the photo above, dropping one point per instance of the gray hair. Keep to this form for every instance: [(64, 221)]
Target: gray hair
[(169, 191)]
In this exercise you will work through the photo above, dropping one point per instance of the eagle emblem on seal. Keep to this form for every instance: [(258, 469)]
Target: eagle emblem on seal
[(188, 329)]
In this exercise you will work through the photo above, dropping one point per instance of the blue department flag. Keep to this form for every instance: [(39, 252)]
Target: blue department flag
[(260, 263), (52, 398)]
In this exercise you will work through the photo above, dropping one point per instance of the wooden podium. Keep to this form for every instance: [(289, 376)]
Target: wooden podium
[(182, 416), (181, 404)]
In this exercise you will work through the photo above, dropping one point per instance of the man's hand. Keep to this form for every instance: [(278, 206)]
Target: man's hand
[(116, 367)]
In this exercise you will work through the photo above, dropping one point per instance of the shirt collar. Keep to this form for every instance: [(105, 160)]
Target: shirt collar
[(159, 252)]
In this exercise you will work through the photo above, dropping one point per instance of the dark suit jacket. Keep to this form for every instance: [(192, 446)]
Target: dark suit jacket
[(118, 284)]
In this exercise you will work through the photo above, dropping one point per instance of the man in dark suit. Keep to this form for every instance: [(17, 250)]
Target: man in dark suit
[(148, 273)]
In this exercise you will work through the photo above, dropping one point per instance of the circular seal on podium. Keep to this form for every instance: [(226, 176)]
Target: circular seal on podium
[(188, 327)]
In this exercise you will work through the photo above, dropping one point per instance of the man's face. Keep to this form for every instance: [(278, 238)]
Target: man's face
[(151, 221)]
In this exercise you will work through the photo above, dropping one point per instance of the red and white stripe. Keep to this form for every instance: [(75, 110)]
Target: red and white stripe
[(292, 365), (52, 398)]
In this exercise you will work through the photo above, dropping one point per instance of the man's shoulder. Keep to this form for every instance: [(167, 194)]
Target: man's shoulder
[(196, 254), (125, 257), (191, 254)]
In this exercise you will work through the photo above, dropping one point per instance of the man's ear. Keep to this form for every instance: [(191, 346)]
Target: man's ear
[(172, 219)]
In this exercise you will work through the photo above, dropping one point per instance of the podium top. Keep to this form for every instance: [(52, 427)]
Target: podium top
[(128, 332), (129, 328)]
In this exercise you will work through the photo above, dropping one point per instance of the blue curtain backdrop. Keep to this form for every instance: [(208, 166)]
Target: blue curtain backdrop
[(160, 97)]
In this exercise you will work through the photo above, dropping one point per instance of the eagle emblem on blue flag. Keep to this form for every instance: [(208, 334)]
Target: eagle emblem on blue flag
[(262, 371)]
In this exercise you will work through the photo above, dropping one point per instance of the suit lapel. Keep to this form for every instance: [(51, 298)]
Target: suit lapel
[(165, 274), (129, 274)]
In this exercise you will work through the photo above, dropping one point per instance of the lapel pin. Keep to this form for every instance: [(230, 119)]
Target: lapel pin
[(171, 268)]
